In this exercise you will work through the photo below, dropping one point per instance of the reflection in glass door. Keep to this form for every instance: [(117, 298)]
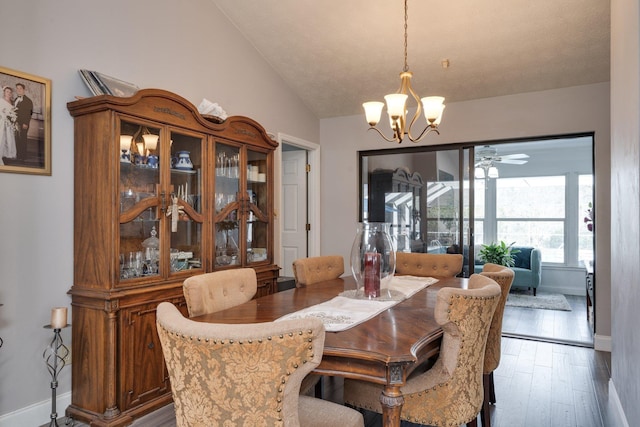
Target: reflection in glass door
[(420, 198), (442, 204)]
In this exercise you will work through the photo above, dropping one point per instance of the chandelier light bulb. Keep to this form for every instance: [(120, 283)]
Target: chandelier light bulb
[(373, 111), (433, 107), (396, 104)]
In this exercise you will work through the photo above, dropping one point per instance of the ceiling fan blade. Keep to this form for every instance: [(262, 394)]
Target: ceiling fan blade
[(513, 161), (514, 156)]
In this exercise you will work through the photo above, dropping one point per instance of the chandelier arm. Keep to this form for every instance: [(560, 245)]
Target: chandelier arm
[(382, 135), (417, 114), (424, 133)]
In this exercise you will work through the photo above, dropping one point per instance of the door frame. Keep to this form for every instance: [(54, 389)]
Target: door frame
[(313, 194)]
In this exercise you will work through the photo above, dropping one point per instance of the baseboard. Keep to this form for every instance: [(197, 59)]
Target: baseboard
[(602, 342), (36, 414), (585, 344), (565, 290), (617, 406)]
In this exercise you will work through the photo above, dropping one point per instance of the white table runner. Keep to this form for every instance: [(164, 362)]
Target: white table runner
[(350, 309)]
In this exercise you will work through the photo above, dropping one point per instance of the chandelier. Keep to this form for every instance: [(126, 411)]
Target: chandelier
[(397, 105)]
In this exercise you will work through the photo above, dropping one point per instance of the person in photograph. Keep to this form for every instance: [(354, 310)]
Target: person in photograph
[(24, 109), (8, 125)]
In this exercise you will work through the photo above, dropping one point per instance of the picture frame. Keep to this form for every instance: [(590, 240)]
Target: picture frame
[(25, 125)]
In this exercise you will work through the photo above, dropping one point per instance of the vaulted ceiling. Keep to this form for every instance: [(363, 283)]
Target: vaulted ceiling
[(335, 54)]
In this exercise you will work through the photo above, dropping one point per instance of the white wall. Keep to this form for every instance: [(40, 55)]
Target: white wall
[(571, 110), (625, 205), (186, 47)]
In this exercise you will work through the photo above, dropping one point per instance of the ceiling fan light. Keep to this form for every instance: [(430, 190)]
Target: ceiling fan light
[(479, 174), (493, 172), (396, 104), (372, 111)]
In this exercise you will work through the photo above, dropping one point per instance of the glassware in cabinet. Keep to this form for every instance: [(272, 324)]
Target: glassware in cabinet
[(138, 190), (185, 209), (227, 205), (257, 221)]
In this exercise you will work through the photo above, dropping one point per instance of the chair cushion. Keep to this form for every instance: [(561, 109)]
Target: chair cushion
[(522, 259), (421, 264), (321, 413), (211, 292), (312, 270)]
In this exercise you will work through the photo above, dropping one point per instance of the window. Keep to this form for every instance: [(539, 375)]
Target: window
[(531, 212), (585, 201), (479, 205)]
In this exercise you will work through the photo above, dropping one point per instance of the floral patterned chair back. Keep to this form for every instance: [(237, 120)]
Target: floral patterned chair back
[(450, 393), (211, 292), (249, 374)]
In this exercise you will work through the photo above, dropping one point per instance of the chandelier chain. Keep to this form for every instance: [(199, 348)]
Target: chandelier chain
[(406, 19)]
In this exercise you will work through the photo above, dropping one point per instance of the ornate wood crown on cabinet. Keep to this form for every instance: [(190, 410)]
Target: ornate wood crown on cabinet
[(161, 193)]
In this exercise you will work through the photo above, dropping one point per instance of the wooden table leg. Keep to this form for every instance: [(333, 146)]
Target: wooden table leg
[(392, 401)]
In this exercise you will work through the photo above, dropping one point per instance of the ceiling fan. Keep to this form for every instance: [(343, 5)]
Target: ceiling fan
[(487, 157)]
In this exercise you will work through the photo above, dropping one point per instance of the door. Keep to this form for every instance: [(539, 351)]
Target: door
[(468, 224), (294, 215)]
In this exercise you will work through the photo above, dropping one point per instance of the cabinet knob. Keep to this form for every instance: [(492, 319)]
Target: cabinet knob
[(150, 346)]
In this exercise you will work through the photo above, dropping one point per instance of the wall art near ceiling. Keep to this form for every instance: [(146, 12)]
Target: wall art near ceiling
[(25, 123)]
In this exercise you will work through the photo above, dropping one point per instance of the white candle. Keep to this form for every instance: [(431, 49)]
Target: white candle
[(58, 317)]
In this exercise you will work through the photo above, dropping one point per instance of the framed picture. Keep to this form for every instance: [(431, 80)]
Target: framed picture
[(25, 123)]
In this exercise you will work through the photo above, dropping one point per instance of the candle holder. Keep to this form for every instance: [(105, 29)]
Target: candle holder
[(54, 356), (373, 258)]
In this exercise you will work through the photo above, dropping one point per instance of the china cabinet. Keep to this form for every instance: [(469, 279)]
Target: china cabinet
[(161, 193), (395, 197)]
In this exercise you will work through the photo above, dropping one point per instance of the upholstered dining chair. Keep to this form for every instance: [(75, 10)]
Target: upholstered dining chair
[(449, 393), (245, 374), (308, 271), (424, 264), (503, 276), (211, 292)]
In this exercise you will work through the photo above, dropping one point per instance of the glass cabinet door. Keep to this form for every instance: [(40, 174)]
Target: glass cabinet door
[(161, 216), (227, 205), (139, 191), (257, 221), (184, 212)]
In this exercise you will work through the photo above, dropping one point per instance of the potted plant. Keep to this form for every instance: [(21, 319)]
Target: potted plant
[(498, 253)]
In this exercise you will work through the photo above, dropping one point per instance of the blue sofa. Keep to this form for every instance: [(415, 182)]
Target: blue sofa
[(527, 268)]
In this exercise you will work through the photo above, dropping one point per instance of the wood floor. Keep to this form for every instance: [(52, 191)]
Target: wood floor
[(538, 383), (551, 325)]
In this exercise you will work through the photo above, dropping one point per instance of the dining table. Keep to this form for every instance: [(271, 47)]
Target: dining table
[(384, 349)]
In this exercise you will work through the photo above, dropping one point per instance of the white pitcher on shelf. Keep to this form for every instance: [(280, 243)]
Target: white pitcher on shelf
[(184, 161)]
